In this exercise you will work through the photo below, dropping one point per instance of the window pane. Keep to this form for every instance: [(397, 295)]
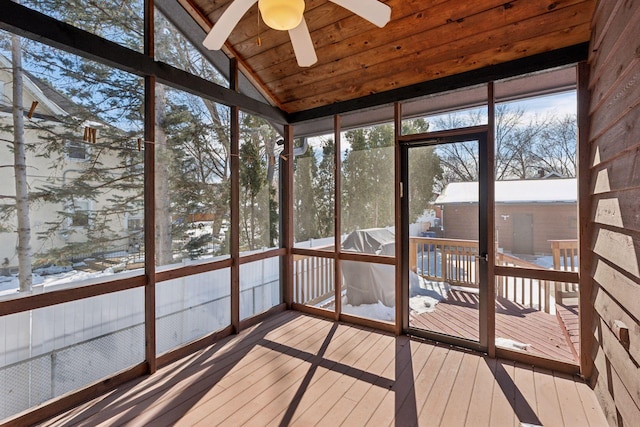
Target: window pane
[(118, 21), (314, 194), (51, 351), (368, 206), (443, 111), (259, 185), (188, 308), (369, 290), (78, 150), (536, 190), (314, 281), (83, 175), (529, 320), (192, 178), (259, 286), (173, 48), (444, 279), (536, 223)]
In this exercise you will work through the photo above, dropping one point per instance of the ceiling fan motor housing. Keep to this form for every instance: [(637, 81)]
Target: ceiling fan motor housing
[(281, 14)]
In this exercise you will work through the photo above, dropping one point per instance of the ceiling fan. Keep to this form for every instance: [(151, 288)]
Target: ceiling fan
[(287, 15)]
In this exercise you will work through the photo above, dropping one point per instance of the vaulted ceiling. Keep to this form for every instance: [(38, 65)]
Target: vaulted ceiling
[(425, 40)]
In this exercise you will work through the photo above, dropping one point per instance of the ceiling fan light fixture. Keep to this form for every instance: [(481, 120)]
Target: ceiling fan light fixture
[(281, 14)]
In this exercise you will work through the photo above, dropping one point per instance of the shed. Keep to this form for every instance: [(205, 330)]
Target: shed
[(529, 213)]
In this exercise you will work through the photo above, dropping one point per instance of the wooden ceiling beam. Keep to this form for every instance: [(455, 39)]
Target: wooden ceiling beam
[(336, 43), (529, 64), (423, 40), (251, 76), (414, 58)]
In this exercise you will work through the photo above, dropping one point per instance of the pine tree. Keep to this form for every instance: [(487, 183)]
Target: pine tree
[(191, 161), (305, 207), (368, 177), (325, 190)]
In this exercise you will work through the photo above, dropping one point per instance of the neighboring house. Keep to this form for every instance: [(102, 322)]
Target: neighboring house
[(47, 119), (529, 213)]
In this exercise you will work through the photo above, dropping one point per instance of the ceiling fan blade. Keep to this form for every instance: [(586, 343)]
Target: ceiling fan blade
[(226, 23), (303, 45), (372, 10)]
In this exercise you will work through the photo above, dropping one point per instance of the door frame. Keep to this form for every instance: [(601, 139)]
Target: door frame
[(485, 231)]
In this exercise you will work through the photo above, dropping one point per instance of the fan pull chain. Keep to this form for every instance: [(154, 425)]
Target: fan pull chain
[(258, 40)]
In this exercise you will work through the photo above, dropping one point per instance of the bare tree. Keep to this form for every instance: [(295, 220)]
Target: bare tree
[(20, 170), (525, 145), (556, 149)]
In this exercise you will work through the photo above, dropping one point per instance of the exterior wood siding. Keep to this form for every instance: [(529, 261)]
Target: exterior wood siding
[(614, 220), (549, 222)]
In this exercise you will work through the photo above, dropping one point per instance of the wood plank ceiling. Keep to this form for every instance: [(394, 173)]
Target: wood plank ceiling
[(425, 40)]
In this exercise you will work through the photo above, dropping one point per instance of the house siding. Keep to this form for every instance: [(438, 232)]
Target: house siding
[(550, 222), (614, 220)]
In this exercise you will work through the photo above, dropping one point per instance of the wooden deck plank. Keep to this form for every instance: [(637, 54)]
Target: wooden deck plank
[(198, 393), (335, 394), (318, 379), (590, 405), (342, 336), (423, 385), (482, 395), (570, 403), (525, 400), (458, 316), (148, 390), (547, 398), (408, 363), (503, 400), (433, 408), (455, 413), (303, 370), (343, 406), (375, 392), (320, 405)]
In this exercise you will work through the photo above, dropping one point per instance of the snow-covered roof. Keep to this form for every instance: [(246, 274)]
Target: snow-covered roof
[(516, 191)]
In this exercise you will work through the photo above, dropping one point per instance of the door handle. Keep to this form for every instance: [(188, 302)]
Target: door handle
[(483, 256)]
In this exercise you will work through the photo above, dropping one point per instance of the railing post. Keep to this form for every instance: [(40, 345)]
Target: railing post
[(413, 255), (547, 296), (443, 256)]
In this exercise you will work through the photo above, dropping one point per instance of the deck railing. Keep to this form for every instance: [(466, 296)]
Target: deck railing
[(565, 258), (313, 279), (528, 292), (446, 260), (452, 261)]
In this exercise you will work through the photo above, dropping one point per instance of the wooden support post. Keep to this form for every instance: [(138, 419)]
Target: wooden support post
[(286, 210), (402, 300), (490, 223), (337, 226), (149, 195), (586, 309), (234, 244)]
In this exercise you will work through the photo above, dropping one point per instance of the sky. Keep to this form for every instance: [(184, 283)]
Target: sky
[(559, 104)]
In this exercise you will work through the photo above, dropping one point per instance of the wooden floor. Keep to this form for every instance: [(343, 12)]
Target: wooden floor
[(543, 333), (296, 369)]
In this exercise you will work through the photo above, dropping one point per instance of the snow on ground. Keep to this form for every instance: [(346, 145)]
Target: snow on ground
[(10, 284), (425, 295), (377, 311), (511, 344)]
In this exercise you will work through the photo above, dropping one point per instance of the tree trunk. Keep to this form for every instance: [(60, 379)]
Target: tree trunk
[(164, 254), (20, 170)]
